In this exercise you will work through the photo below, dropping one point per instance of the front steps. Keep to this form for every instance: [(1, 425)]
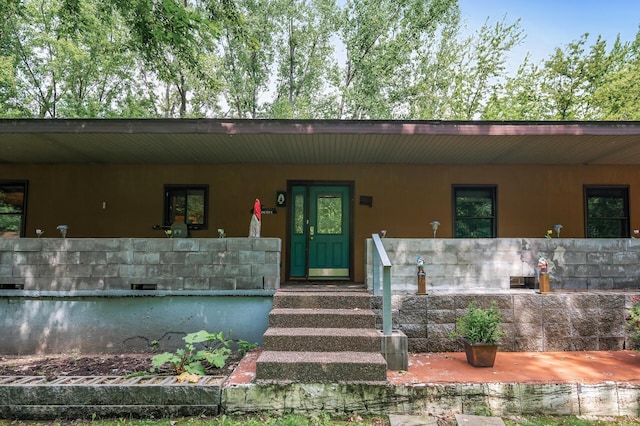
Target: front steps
[(321, 337)]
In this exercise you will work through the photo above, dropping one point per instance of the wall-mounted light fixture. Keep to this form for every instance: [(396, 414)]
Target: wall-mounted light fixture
[(366, 200)]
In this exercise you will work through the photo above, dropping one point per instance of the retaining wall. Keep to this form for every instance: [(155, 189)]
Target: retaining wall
[(160, 397), (488, 265), (580, 321)]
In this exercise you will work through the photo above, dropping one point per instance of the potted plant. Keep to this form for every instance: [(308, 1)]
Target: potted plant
[(480, 331)]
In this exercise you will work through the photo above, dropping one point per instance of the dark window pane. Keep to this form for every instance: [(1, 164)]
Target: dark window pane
[(474, 228), (195, 207), (605, 228), (474, 212), (186, 204), (607, 212), (12, 209), (11, 198)]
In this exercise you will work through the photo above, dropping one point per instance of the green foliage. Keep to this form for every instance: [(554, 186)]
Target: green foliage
[(295, 59), (480, 325), (214, 350), (633, 323), (244, 347), (568, 421)]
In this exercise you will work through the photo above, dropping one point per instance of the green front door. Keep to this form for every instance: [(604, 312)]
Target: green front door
[(320, 232)]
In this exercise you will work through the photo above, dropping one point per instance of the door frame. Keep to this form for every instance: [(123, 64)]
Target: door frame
[(292, 183)]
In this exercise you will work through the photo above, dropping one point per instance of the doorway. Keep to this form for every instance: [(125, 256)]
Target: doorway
[(320, 231)]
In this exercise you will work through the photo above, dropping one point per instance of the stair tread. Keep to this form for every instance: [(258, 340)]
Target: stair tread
[(286, 293), (292, 357), (321, 300), (310, 331), (308, 311)]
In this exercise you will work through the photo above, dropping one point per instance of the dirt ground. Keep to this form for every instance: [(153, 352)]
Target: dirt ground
[(52, 366)]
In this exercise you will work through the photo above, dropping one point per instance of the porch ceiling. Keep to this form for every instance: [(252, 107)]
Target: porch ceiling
[(317, 142)]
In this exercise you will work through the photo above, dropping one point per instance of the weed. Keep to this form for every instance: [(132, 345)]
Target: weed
[(190, 359), (244, 347)]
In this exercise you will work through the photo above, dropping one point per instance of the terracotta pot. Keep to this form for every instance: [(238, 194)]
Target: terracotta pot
[(480, 354)]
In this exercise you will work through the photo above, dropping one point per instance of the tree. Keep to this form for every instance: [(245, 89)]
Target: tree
[(577, 82), (574, 74), (305, 59), (247, 56), (381, 38), (65, 71), (519, 97), (619, 95), (457, 75)]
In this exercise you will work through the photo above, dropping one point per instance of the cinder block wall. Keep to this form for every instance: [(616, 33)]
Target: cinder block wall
[(533, 322), (485, 265), (67, 264)]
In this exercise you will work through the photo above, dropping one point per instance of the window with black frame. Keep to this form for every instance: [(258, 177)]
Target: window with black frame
[(13, 201), (606, 211), (474, 211), (186, 204)]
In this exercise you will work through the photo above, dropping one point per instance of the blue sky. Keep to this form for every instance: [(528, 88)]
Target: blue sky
[(548, 24)]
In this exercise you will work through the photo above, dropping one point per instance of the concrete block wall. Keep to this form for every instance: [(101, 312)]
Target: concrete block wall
[(480, 265), (68, 264), (574, 321)]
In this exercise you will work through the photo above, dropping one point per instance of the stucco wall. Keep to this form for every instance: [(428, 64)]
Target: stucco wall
[(574, 321), (67, 322), (487, 265)]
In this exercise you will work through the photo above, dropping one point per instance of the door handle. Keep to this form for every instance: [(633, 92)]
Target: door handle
[(312, 230)]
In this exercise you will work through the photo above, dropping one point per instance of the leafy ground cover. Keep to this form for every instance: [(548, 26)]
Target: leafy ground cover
[(52, 366)]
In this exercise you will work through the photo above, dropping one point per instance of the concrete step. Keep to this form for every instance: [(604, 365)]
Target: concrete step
[(320, 367), (322, 339), (322, 300), (322, 318)]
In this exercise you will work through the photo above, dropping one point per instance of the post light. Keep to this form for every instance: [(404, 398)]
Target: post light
[(557, 227), (435, 225)]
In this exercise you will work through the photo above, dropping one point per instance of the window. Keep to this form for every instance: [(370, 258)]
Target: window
[(298, 214), (13, 202), (188, 204), (330, 214), (474, 211), (606, 211)]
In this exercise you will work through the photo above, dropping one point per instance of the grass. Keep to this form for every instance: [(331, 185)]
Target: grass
[(256, 420), (570, 421), (326, 420)]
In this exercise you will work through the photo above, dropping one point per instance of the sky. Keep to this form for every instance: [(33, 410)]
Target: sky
[(548, 24)]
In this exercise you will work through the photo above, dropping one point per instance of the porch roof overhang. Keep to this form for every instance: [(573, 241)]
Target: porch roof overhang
[(188, 141)]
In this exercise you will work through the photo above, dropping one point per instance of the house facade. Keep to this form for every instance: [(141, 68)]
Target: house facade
[(118, 188), (324, 186)]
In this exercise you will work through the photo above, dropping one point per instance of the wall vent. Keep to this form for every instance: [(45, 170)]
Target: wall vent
[(523, 283), (11, 286), (144, 286)]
